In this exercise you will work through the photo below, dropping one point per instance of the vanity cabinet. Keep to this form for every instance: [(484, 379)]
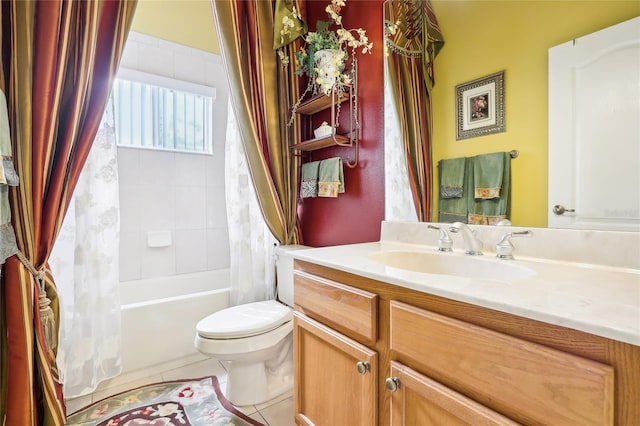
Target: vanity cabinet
[(437, 361), (337, 376)]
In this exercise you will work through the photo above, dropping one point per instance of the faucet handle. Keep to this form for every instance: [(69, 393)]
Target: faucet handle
[(504, 248), (444, 242)]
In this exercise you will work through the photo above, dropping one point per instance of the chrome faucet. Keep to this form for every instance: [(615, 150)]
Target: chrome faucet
[(444, 241), (504, 248), (472, 245)]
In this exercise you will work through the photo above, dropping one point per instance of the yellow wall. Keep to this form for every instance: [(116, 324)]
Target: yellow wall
[(185, 22), (483, 37)]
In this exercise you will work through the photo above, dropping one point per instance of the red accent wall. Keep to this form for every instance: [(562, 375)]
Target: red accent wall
[(355, 216)]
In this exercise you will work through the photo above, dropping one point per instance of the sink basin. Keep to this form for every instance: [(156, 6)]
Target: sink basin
[(452, 264)]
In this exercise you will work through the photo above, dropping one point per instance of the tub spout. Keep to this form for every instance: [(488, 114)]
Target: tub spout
[(472, 245)]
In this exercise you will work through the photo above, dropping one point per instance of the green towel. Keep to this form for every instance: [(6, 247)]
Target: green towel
[(8, 175), (490, 211), (330, 178), (5, 138), (453, 210), (452, 173), (456, 209), (309, 184), (488, 171)]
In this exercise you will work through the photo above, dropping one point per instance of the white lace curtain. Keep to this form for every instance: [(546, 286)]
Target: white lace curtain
[(398, 202), (84, 262), (251, 243)]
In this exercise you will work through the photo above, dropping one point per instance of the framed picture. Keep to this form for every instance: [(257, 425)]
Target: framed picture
[(480, 107)]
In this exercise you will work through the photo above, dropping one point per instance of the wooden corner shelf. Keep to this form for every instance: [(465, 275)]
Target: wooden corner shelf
[(322, 102), (323, 142), (318, 103)]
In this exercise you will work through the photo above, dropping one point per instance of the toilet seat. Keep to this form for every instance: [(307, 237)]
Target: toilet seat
[(246, 320), (247, 347)]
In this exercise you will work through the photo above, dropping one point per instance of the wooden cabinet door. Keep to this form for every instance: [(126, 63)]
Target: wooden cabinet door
[(331, 387), (421, 401)]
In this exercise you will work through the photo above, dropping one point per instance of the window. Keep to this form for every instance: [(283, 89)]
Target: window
[(162, 113)]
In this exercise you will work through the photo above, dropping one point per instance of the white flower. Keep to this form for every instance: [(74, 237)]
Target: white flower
[(392, 29), (333, 14), (283, 58), (295, 13), (335, 73)]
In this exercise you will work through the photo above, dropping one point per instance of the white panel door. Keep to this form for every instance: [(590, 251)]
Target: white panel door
[(594, 130)]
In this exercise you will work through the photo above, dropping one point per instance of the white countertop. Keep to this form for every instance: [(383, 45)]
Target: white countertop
[(597, 299)]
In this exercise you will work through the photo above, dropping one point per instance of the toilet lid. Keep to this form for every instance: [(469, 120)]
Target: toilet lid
[(244, 320)]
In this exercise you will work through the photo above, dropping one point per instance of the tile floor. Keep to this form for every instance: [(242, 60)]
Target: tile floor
[(278, 412)]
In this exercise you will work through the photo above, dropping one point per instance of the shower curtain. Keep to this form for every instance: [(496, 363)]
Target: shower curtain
[(251, 244), (84, 261)]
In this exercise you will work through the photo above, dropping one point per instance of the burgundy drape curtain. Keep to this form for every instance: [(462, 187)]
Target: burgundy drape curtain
[(413, 46), (262, 91), (413, 105), (58, 62)]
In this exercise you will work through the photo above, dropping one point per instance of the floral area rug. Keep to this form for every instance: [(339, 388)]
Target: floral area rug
[(195, 402)]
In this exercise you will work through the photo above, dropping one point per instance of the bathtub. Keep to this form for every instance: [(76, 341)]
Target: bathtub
[(159, 316)]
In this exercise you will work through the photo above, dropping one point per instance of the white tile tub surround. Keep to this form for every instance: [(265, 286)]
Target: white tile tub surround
[(585, 280), (174, 192)]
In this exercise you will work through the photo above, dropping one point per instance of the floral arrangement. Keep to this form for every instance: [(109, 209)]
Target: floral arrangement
[(322, 58)]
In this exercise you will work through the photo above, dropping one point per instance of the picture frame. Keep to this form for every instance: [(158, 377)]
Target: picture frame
[(480, 107)]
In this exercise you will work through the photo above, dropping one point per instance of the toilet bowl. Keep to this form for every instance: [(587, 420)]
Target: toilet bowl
[(255, 340)]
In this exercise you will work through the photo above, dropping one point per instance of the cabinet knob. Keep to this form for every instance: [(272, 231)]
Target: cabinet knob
[(392, 384), (362, 367)]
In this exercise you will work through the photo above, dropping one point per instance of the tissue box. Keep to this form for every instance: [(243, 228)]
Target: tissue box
[(323, 130)]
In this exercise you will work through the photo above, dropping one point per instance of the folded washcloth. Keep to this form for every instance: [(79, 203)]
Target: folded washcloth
[(488, 170), (309, 185), (452, 177), (491, 211), (330, 178)]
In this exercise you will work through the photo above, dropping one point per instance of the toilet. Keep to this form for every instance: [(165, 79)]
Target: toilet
[(255, 340)]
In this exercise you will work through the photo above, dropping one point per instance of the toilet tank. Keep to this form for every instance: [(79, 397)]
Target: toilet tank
[(284, 272)]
